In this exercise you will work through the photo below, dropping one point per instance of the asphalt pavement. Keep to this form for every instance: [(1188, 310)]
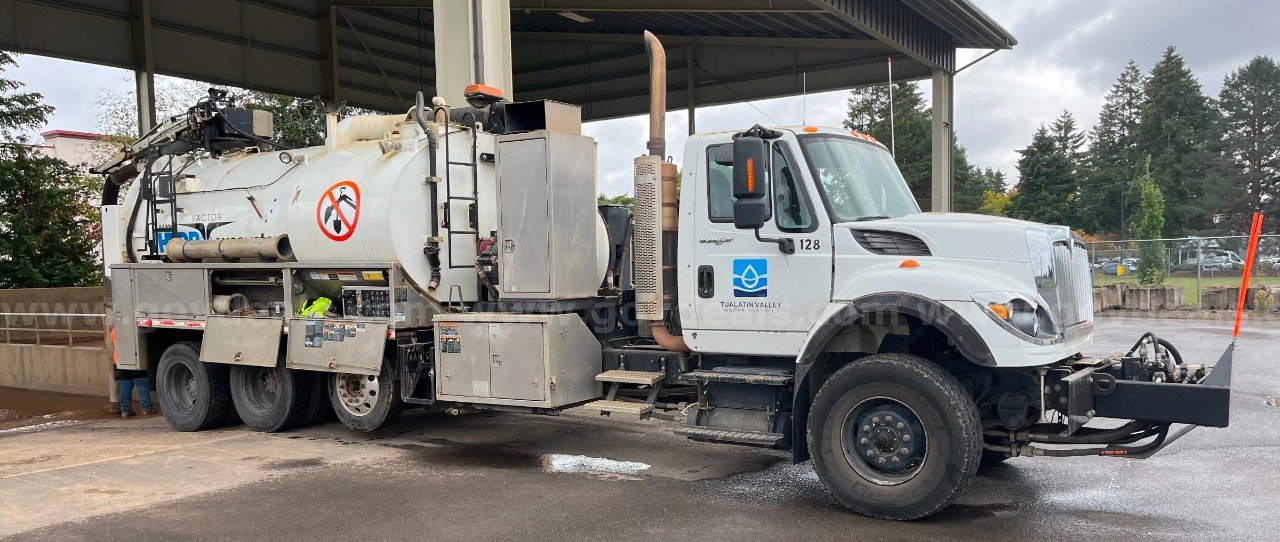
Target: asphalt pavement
[(578, 477)]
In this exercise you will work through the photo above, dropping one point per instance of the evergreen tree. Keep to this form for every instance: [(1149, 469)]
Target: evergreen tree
[(1112, 160), (1173, 131), (912, 140), (1150, 225), (1245, 158), (1046, 191), (1069, 138), (47, 224)]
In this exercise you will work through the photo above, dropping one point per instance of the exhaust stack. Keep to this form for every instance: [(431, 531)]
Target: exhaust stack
[(656, 212)]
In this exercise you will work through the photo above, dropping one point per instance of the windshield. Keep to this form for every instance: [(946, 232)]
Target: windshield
[(859, 181)]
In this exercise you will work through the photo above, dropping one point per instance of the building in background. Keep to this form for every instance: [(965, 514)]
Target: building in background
[(80, 149)]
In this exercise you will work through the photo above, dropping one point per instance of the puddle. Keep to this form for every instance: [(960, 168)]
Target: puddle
[(447, 453), (590, 465), (23, 411)]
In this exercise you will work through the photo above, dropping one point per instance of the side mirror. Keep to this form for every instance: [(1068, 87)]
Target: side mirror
[(749, 163)]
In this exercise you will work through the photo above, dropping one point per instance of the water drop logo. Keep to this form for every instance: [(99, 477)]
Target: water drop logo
[(751, 277)]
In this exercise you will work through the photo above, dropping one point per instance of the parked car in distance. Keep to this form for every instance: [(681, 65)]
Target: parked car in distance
[(1222, 262)]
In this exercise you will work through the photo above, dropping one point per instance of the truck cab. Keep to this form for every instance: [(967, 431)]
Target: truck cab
[(840, 226)]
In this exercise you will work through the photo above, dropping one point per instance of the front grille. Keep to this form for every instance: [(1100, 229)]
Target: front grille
[(1072, 294), (891, 243)]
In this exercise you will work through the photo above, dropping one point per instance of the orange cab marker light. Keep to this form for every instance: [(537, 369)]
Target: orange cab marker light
[(909, 264), (810, 129), (751, 174), (999, 309)]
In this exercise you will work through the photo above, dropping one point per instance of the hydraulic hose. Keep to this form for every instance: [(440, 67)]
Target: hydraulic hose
[(432, 250)]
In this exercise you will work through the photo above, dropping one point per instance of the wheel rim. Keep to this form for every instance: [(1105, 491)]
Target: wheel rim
[(357, 394), (884, 441), (263, 390), (181, 389)]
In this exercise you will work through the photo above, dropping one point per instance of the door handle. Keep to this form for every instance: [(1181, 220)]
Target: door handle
[(706, 281)]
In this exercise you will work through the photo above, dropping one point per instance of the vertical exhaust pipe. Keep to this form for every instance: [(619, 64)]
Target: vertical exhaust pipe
[(657, 95), (668, 208)]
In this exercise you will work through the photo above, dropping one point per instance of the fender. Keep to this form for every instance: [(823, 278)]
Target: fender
[(955, 327)]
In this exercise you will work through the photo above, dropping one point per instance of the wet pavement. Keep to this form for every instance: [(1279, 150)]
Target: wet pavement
[(25, 411), (574, 477)]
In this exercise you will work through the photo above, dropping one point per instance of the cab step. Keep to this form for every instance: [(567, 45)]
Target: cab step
[(605, 406), (749, 438), (623, 376)]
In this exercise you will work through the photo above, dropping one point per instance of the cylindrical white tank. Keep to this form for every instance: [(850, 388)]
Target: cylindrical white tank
[(363, 201)]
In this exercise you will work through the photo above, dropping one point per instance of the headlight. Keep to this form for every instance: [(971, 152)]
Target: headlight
[(1021, 315)]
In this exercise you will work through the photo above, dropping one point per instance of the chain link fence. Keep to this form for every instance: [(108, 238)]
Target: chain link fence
[(1203, 267)]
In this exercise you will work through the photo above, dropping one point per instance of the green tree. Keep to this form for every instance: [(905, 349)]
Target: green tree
[(1245, 152), (1112, 159), (47, 224), (625, 200), (912, 141), (1046, 190), (1175, 124), (1150, 225)]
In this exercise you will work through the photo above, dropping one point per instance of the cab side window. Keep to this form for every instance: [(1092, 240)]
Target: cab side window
[(794, 212), (720, 184)]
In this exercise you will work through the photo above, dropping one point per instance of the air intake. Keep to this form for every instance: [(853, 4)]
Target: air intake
[(891, 243)]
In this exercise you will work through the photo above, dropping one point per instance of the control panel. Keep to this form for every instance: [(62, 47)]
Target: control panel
[(366, 301)]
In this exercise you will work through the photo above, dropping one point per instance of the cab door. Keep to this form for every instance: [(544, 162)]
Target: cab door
[(747, 285)]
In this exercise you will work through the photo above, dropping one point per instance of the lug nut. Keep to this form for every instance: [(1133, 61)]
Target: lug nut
[(904, 451), (906, 438), (870, 453), (895, 459), (866, 428), (902, 425), (888, 418), (875, 419), (865, 441), (881, 461)]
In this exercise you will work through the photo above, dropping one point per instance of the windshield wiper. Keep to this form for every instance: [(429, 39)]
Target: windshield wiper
[(867, 218)]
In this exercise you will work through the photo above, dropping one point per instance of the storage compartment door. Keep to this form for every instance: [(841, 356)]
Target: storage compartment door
[(462, 360), (239, 340), (168, 292), (524, 217), (518, 361), (124, 320)]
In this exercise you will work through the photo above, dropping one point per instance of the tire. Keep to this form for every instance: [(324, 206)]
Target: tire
[(318, 408), (894, 436), (365, 403), (194, 396), (271, 399)]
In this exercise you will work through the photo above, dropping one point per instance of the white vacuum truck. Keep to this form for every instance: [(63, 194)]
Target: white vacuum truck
[(788, 293)]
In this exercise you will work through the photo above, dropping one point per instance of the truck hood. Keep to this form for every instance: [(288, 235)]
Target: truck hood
[(960, 235)]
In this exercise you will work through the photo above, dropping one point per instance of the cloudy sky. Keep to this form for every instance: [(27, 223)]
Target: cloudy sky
[(1069, 53)]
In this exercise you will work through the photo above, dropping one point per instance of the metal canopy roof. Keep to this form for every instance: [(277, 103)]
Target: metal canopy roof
[(586, 52)]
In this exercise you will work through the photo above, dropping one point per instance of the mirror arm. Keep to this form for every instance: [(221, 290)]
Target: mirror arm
[(785, 244)]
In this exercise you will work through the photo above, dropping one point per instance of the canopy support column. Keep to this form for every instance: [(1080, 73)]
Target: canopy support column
[(144, 73), (943, 141)]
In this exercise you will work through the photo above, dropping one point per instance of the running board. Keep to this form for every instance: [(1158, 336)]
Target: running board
[(749, 438)]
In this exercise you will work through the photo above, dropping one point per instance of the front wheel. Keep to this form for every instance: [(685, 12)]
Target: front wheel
[(894, 436), (365, 402)]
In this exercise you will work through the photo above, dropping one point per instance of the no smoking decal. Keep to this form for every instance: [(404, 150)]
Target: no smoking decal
[(338, 211)]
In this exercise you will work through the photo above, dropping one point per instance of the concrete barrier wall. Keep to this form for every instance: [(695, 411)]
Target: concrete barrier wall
[(62, 369), (82, 367)]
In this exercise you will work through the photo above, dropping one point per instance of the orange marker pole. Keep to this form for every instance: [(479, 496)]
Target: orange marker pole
[(1255, 233)]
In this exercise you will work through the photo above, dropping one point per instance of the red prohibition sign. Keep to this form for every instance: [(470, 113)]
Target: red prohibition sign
[(338, 210)]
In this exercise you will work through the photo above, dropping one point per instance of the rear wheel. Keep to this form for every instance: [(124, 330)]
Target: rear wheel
[(194, 396), (365, 402), (894, 436), (271, 399)]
